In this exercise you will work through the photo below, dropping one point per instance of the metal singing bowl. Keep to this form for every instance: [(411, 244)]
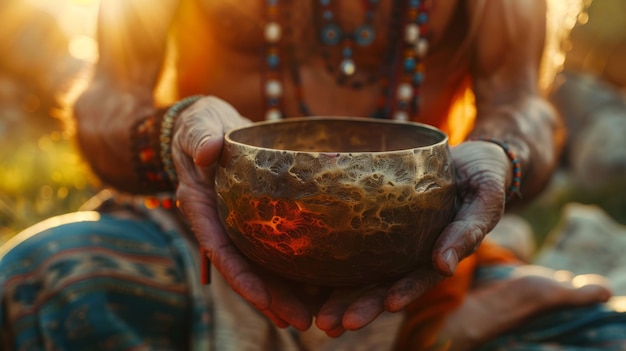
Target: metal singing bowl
[(336, 201)]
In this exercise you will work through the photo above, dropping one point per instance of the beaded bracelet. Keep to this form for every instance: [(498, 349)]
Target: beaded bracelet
[(145, 150), (166, 135), (514, 189)]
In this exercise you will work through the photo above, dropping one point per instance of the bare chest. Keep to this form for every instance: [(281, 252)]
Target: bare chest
[(240, 24), (240, 36)]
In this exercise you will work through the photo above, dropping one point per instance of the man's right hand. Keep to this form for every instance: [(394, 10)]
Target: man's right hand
[(196, 146)]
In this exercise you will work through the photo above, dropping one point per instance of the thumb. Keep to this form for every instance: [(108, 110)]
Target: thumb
[(208, 150)]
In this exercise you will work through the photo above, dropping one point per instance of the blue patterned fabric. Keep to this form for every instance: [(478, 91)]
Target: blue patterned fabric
[(102, 284)]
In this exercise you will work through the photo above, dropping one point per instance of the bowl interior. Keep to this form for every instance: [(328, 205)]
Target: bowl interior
[(337, 134)]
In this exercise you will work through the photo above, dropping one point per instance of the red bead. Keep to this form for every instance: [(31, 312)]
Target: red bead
[(151, 203), (167, 203), (146, 155)]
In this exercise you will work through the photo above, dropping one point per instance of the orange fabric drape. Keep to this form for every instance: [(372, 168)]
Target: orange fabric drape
[(426, 316)]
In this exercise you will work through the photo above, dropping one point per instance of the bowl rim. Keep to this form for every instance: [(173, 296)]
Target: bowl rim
[(433, 129)]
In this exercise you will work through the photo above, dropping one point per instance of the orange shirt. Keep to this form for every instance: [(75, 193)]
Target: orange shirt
[(426, 316)]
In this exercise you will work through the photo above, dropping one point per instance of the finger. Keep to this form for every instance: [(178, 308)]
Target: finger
[(285, 305), (590, 279), (481, 188), (313, 296), (592, 287), (208, 151), (463, 236), (539, 292), (279, 322), (408, 289), (459, 239), (220, 250), (331, 313), (335, 333), (365, 309), (266, 294), (589, 294), (203, 126), (240, 277)]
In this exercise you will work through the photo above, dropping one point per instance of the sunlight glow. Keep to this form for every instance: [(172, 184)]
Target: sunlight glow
[(618, 303), (562, 15), (563, 276), (84, 48), (85, 2), (588, 279)]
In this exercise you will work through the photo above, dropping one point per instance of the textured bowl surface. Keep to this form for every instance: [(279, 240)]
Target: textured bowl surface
[(336, 201)]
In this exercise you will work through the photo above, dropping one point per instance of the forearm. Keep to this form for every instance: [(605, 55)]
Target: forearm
[(105, 119), (132, 39), (533, 130)]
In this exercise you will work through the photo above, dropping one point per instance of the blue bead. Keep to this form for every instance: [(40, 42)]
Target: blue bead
[(422, 18), (347, 52), (331, 34), (272, 101), (409, 64), (328, 15), (273, 61), (272, 2), (418, 78), (414, 3), (364, 35), (324, 2)]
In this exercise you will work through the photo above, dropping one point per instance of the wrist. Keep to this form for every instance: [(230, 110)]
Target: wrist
[(533, 130), (145, 150), (151, 149), (514, 184)]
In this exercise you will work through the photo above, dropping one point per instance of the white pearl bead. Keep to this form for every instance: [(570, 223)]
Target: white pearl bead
[(421, 48), (272, 32), (273, 88), (411, 33), (347, 67), (405, 92), (272, 114), (401, 116)]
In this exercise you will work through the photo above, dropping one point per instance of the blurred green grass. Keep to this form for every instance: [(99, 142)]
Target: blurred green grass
[(40, 176)]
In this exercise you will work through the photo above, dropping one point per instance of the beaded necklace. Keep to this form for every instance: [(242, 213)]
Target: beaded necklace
[(401, 75), (331, 35)]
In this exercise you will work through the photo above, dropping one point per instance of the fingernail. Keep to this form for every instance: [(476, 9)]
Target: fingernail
[(451, 261)]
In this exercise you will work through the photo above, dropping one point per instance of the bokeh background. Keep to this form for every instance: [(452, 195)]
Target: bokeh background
[(47, 48)]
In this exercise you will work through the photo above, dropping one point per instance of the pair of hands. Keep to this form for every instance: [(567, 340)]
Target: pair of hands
[(482, 170)]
